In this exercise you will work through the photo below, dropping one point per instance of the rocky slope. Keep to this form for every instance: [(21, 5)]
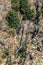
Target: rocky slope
[(9, 40)]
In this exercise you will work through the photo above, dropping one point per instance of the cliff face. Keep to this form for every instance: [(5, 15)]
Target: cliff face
[(9, 39)]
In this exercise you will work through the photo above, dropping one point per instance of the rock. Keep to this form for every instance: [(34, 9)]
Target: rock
[(3, 64), (34, 48), (42, 42), (31, 56), (39, 49)]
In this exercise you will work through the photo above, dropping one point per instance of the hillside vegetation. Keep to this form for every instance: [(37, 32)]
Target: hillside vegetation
[(21, 32)]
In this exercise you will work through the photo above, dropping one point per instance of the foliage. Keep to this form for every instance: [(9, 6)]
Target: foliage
[(26, 10), (6, 53), (23, 5), (15, 4), (24, 16), (13, 20)]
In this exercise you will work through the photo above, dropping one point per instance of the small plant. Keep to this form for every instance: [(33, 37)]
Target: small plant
[(6, 53)]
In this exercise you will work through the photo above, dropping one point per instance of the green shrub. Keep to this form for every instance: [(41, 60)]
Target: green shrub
[(24, 17), (13, 20), (6, 53), (26, 10), (23, 5), (15, 4)]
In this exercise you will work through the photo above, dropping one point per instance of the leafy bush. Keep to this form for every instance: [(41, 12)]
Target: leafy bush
[(26, 10), (15, 4), (23, 6), (13, 20), (24, 17)]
